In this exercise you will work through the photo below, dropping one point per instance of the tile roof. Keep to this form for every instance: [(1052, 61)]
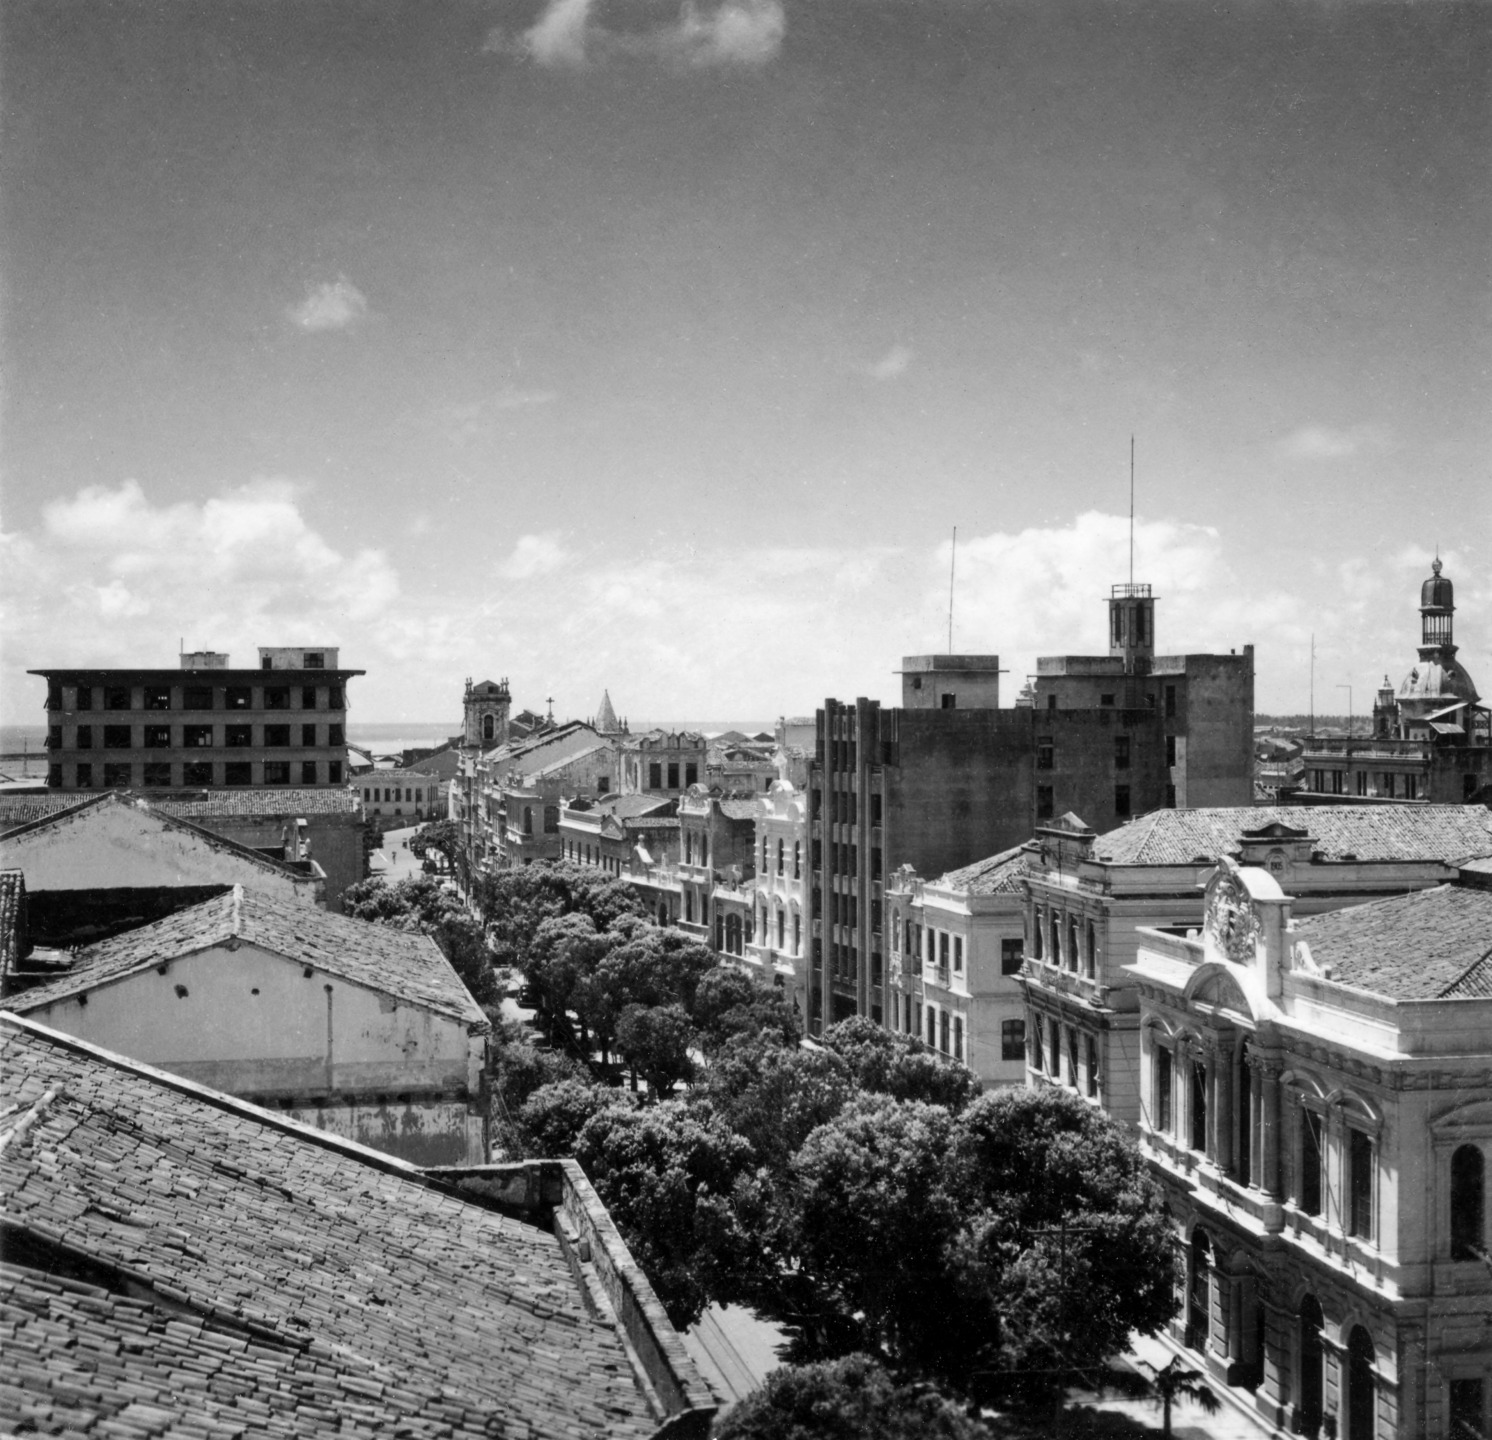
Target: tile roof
[(218, 1270), (401, 963), (998, 875), (23, 809), (738, 809), (1428, 945), (266, 801), (211, 838), (1369, 832), (395, 777)]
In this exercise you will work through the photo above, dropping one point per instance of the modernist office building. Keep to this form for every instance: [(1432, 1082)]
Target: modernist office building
[(201, 725), (950, 778)]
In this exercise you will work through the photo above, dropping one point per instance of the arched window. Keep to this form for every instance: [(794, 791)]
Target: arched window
[(1072, 942), (1039, 929), (1311, 1367), (1360, 1398), (1199, 1293), (780, 852), (781, 928), (1467, 1191), (797, 859), (489, 727), (1091, 956)]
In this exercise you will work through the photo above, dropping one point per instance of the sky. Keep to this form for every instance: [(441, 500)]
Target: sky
[(659, 348)]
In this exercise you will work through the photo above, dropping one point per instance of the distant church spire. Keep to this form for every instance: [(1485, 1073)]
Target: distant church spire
[(606, 716)]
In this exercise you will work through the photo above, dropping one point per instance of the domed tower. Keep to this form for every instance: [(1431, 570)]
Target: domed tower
[(1439, 681), (486, 707)]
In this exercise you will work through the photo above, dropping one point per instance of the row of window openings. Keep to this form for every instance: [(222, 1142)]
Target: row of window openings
[(1390, 785), (844, 910), (1056, 942), (1241, 1330), (782, 857), (1310, 1189), (1106, 701), (159, 774), (1056, 1054), (396, 794), (656, 771), (844, 807), (1046, 801), (193, 737), (197, 697), (1046, 752), (584, 854), (940, 1029)]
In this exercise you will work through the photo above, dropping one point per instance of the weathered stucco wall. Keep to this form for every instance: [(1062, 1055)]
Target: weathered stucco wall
[(397, 1077), (336, 843)]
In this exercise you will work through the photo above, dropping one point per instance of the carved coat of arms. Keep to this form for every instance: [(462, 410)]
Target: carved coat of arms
[(1231, 923)]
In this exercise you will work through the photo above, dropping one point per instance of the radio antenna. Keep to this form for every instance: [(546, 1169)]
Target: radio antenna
[(952, 562), (1131, 509)]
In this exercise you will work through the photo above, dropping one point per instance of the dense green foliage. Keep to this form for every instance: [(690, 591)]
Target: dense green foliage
[(849, 1399)]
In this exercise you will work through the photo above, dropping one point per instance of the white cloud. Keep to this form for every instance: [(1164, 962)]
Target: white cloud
[(567, 35), (334, 305), (533, 555), (892, 365), (111, 578), (1324, 442)]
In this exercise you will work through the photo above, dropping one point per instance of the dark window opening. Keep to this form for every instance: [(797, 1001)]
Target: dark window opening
[(158, 772), (157, 697), (85, 737), (1012, 1040), (1468, 1409), (85, 698), (197, 772), (1170, 699), (117, 697), (1361, 1177), (334, 735), (1051, 702), (276, 697), (276, 772), (197, 697), (238, 735), (308, 735), (655, 776), (307, 772), (1467, 1203), (333, 772), (157, 737), (1106, 700), (1163, 1082), (238, 697), (1045, 752), (1121, 801), (238, 772), (84, 772), (118, 776), (1310, 1162), (308, 697), (1170, 749), (1121, 752), (313, 660), (277, 736), (673, 775), (54, 737), (691, 774), (54, 777), (950, 702), (334, 698), (266, 663), (116, 737), (1044, 803), (1199, 1108)]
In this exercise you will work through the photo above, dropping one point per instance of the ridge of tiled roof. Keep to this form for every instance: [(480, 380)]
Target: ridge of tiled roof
[(403, 964), (245, 1273), (1430, 944), (12, 893), (997, 875), (399, 777), (266, 800), (170, 821), (1368, 832), (22, 813), (560, 761)]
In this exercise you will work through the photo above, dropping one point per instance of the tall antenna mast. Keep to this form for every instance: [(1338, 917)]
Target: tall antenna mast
[(1131, 509), (952, 561)]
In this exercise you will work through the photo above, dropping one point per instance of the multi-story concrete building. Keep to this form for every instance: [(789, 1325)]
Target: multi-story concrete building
[(717, 843), (1316, 1100), (1432, 739), (1089, 896), (202, 725), (949, 778), (956, 948)]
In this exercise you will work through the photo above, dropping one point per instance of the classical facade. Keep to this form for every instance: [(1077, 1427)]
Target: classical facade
[(1089, 897), (1432, 738), (769, 929), (202, 725), (949, 777), (957, 945), (662, 762), (1316, 1100), (406, 796), (613, 831), (717, 844)]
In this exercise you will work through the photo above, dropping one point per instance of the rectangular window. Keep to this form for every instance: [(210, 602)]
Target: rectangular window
[(1468, 1399), (118, 776), (84, 779), (196, 737), (1198, 1099), (157, 737), (932, 1027), (197, 697), (308, 735), (1045, 752), (1411, 787), (691, 774), (313, 660), (958, 1037), (1054, 1048), (673, 775), (85, 737), (655, 776), (85, 698), (1170, 797), (1310, 1162), (958, 954), (334, 735), (1170, 749), (197, 772), (1051, 702), (1106, 700), (1038, 1060), (54, 776), (117, 697), (1044, 802), (1361, 1179), (1012, 1040), (307, 772), (334, 698), (1170, 700), (276, 697), (1121, 801), (116, 737), (276, 772), (1092, 1068), (1121, 752), (277, 736), (308, 697), (1163, 1084), (54, 695), (1361, 779), (943, 1018), (238, 697), (54, 737), (1011, 954), (238, 772), (1072, 1058), (238, 735), (158, 772), (943, 950), (157, 697)]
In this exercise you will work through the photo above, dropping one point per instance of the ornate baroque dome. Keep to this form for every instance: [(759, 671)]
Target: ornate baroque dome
[(1437, 592)]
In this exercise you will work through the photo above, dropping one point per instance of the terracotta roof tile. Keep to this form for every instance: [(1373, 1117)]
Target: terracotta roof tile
[(1368, 832), (399, 963), (998, 875), (215, 1270), (1429, 945)]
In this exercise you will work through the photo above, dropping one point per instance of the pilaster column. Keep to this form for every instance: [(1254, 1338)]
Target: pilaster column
[(1257, 1125), (1220, 1069), (1269, 1132)]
